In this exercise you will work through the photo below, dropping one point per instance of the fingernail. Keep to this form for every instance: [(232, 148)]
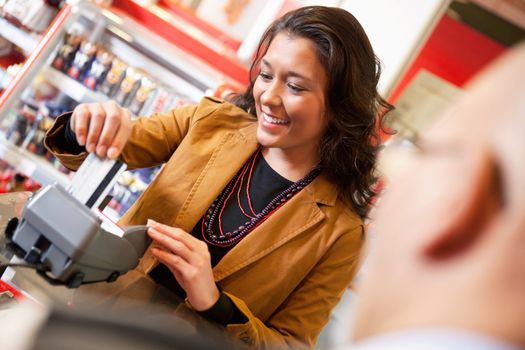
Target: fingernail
[(112, 152), (101, 151), (90, 147), (81, 140)]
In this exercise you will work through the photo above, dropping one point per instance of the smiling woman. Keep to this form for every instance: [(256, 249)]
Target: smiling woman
[(257, 214), (316, 69), (289, 96)]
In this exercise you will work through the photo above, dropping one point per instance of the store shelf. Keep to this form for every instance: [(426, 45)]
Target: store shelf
[(189, 38), (71, 87), (30, 164), (26, 41), (5, 78)]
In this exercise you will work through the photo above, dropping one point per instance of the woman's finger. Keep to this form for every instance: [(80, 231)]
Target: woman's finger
[(80, 122), (121, 137), (96, 123), (172, 245), (174, 262), (111, 126), (176, 233)]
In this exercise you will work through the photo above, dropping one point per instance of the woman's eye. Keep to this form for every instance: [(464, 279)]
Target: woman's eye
[(265, 76), (295, 88)]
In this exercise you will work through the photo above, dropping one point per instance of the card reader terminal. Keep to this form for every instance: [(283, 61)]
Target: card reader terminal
[(62, 236)]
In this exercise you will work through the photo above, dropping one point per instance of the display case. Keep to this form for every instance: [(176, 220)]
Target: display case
[(96, 54)]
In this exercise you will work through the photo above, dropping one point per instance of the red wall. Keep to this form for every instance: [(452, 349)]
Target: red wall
[(454, 51)]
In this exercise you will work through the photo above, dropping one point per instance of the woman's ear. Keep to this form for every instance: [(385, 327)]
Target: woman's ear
[(471, 208)]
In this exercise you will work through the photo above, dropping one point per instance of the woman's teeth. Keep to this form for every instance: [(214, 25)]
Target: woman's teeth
[(273, 120)]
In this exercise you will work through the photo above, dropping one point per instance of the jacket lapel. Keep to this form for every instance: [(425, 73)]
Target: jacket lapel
[(293, 218), (228, 157)]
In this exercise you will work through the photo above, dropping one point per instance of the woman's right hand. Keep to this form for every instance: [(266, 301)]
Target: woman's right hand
[(103, 128)]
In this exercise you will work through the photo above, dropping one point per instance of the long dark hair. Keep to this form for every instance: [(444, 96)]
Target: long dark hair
[(350, 144)]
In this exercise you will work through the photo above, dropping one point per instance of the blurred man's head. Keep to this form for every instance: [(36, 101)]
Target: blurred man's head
[(450, 247)]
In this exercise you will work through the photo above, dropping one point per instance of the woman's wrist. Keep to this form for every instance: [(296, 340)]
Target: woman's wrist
[(224, 311), (204, 301)]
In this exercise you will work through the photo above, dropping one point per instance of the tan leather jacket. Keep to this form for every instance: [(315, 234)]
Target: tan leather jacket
[(287, 274)]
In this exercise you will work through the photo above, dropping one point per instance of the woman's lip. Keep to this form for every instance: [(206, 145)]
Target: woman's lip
[(273, 116), (267, 119)]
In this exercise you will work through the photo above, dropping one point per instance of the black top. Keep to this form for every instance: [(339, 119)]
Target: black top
[(265, 184)]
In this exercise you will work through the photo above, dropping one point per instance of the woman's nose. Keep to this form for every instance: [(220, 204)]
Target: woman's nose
[(271, 96)]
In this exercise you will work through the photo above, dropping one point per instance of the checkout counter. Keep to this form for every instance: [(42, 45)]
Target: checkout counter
[(110, 306)]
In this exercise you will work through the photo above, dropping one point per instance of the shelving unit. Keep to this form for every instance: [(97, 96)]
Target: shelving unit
[(4, 78), (71, 87), (182, 64), (30, 164), (24, 40)]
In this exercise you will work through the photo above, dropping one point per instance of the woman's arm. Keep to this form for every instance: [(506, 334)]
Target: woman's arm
[(149, 142)]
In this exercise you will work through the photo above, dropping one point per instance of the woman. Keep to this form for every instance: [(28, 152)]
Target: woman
[(257, 214)]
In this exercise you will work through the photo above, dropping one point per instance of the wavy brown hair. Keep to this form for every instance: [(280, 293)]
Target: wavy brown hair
[(350, 144)]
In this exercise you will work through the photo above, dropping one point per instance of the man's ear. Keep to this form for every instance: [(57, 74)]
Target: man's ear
[(476, 201)]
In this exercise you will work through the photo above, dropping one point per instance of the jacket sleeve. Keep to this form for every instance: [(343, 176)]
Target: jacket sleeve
[(301, 318), (152, 142)]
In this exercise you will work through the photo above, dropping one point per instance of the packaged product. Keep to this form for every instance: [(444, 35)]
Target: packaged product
[(83, 59), (98, 70), (144, 91), (128, 87), (113, 78)]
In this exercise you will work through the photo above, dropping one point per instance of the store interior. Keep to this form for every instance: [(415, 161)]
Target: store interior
[(153, 56)]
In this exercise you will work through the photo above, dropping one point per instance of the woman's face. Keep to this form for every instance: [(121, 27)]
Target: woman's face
[(290, 96)]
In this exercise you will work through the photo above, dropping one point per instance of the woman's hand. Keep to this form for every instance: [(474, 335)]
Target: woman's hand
[(103, 128), (188, 259)]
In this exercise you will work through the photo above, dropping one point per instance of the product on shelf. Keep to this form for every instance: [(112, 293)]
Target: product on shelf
[(129, 187), (128, 87), (33, 119), (35, 15), (115, 75), (159, 102), (103, 71), (13, 181), (33, 132), (24, 119), (66, 52), (98, 70), (147, 86), (59, 105), (82, 61)]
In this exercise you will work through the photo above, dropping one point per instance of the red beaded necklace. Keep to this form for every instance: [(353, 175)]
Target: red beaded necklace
[(216, 210)]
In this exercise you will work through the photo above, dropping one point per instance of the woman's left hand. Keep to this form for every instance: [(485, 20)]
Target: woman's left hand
[(188, 258)]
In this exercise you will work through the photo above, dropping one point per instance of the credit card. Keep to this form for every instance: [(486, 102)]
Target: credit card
[(94, 179)]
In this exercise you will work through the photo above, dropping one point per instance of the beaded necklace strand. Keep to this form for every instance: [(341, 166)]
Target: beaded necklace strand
[(215, 211)]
